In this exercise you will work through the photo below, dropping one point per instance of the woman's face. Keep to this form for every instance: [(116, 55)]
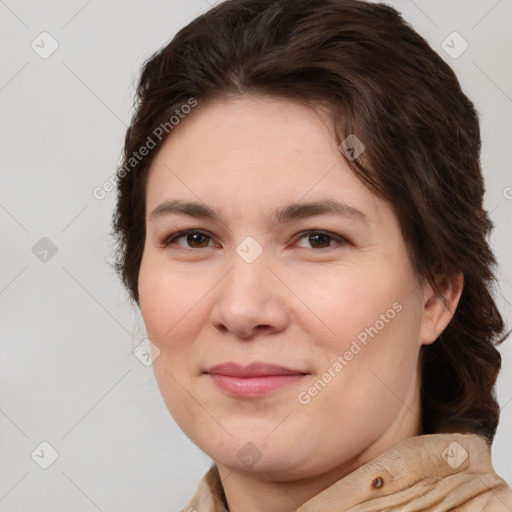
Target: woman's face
[(295, 263)]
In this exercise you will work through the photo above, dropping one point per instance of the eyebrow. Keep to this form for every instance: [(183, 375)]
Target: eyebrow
[(281, 215)]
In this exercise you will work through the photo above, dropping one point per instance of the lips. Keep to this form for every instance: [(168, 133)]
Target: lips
[(254, 380), (253, 370)]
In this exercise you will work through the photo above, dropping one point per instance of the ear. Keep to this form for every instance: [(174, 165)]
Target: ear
[(438, 309)]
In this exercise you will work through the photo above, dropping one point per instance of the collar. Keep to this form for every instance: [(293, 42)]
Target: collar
[(427, 472)]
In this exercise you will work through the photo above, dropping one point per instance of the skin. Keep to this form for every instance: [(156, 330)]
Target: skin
[(300, 304)]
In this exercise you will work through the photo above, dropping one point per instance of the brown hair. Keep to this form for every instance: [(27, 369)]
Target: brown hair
[(383, 83)]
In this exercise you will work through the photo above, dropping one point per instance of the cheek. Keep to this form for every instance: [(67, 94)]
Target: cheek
[(350, 302), (167, 307), (379, 360), (371, 321), (170, 301)]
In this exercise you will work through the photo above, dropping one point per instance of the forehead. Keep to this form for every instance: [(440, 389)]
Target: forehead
[(251, 152), (258, 128)]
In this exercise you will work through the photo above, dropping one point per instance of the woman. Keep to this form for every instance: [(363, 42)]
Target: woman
[(300, 221)]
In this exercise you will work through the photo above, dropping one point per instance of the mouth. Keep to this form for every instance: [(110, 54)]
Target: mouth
[(255, 380)]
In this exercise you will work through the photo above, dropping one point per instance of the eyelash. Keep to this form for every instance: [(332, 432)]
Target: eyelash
[(172, 238)]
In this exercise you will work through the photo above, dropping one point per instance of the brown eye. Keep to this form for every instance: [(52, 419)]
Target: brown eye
[(197, 240), (319, 241), (189, 239)]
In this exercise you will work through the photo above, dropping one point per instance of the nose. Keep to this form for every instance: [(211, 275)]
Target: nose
[(250, 300)]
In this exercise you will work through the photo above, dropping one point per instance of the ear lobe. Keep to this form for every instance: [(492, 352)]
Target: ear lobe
[(439, 309)]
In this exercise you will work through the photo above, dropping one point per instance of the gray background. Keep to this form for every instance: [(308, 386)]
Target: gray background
[(68, 374)]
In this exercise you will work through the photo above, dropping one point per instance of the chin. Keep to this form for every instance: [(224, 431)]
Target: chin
[(260, 454)]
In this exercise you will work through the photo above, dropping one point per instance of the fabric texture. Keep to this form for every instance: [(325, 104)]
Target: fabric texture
[(427, 473)]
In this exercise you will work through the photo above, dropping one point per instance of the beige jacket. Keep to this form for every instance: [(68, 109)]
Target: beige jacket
[(434, 473)]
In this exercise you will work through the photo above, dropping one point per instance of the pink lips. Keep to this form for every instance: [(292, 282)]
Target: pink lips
[(254, 380)]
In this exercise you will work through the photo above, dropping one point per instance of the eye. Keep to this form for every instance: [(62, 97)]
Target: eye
[(193, 239), (321, 239)]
